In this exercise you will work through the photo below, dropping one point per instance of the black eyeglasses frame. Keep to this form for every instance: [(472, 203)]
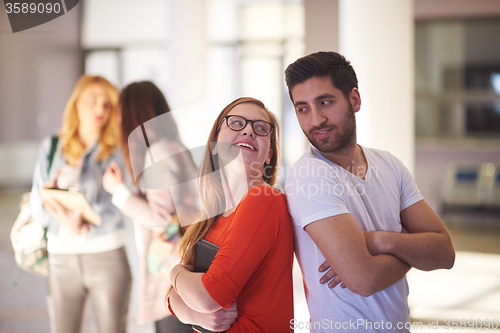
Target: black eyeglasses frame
[(246, 123)]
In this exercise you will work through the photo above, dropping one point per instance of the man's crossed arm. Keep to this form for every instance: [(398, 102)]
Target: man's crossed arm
[(367, 262), (427, 245)]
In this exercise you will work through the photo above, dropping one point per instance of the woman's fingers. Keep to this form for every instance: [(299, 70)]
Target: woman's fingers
[(112, 177), (75, 215), (232, 307), (85, 228), (71, 220), (52, 183), (49, 208), (224, 318), (116, 170), (49, 184), (52, 206), (114, 166)]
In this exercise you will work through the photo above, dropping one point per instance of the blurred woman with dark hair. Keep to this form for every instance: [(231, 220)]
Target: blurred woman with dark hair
[(150, 143)]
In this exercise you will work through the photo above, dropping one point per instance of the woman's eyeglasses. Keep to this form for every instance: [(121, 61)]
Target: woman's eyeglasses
[(238, 123)]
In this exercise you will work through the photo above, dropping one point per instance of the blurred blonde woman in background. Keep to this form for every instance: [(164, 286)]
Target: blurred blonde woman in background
[(85, 260)]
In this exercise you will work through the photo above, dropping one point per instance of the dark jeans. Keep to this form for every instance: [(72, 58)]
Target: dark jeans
[(171, 324)]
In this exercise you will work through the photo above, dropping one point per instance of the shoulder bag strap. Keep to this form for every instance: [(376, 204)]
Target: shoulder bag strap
[(53, 148)]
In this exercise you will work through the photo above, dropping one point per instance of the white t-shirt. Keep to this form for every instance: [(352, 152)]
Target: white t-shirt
[(317, 188)]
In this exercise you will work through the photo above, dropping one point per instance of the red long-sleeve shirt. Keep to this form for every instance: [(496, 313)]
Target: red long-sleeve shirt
[(254, 263)]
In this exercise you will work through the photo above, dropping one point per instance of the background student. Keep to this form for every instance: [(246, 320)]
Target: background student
[(85, 260), (142, 105)]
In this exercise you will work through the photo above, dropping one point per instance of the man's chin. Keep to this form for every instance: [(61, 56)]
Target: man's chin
[(322, 147)]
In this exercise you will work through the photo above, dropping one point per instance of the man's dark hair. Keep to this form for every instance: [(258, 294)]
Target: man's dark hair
[(322, 64)]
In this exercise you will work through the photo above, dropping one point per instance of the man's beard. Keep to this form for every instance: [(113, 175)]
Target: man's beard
[(341, 137)]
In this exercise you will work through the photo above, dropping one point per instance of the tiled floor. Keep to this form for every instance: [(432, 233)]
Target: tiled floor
[(467, 295)]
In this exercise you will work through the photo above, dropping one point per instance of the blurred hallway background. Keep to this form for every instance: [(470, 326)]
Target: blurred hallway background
[(469, 291), (429, 73)]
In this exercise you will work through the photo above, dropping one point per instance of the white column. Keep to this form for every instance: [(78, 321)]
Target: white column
[(187, 48), (322, 30), (186, 93), (378, 38)]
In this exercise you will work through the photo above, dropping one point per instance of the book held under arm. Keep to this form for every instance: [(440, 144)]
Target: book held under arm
[(204, 254)]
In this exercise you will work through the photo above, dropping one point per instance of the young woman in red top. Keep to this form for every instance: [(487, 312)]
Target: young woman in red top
[(248, 287)]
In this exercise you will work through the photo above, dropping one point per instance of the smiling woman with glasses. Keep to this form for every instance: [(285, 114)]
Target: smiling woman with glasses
[(253, 265)]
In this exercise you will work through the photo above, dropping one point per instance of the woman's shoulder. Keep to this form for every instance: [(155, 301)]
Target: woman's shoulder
[(49, 138), (264, 196), (48, 141), (166, 147), (174, 151), (268, 204), (265, 191)]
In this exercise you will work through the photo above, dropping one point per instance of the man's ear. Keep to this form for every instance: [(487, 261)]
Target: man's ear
[(355, 99)]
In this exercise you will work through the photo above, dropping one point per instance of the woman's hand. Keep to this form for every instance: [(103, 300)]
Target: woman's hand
[(52, 183), (112, 177), (218, 321), (69, 220)]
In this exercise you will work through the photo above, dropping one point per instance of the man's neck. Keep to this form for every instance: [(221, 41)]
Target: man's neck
[(351, 159)]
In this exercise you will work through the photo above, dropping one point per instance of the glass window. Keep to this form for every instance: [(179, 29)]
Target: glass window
[(457, 78), (245, 47), (105, 63), (250, 44)]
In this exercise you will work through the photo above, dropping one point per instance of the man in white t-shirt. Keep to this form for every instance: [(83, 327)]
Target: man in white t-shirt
[(360, 222)]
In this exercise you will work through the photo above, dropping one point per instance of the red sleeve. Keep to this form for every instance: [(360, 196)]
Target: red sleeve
[(170, 307), (253, 231)]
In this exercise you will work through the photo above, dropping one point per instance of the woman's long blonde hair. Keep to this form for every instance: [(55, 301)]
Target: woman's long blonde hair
[(211, 191), (72, 147)]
